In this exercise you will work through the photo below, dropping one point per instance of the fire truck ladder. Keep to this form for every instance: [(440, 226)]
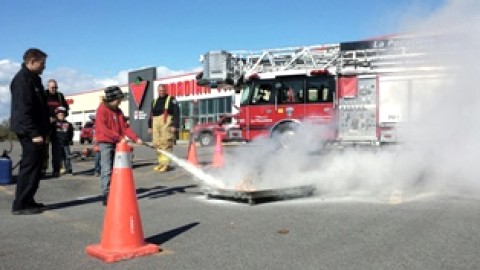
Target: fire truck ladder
[(291, 58), (401, 55), (232, 67), (397, 54)]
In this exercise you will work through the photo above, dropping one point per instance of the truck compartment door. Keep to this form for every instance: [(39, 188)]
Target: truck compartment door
[(357, 110)]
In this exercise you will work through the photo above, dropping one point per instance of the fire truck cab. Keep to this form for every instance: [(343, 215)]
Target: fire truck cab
[(269, 107)]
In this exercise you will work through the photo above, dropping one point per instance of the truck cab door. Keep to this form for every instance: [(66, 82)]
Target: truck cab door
[(290, 99), (261, 110)]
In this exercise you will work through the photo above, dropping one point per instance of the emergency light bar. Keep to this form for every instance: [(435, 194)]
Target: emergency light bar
[(254, 76), (316, 72)]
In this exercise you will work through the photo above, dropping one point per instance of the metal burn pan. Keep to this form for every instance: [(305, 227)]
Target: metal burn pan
[(256, 195)]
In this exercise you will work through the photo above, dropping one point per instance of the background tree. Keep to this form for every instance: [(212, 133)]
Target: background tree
[(5, 132)]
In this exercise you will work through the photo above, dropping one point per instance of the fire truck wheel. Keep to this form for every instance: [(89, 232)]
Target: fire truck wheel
[(206, 139), (284, 133)]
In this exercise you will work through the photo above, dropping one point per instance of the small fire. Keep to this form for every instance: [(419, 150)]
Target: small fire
[(246, 184)]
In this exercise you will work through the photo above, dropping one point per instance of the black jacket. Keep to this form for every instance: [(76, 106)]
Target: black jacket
[(158, 106), (54, 101), (62, 132), (29, 113)]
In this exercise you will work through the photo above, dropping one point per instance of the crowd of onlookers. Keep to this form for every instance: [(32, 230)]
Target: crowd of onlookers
[(38, 119)]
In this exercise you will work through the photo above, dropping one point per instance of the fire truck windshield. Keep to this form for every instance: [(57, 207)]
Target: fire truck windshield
[(245, 95)]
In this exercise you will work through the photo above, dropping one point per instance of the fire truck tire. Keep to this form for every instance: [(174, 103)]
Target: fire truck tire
[(206, 139), (82, 141), (283, 133)]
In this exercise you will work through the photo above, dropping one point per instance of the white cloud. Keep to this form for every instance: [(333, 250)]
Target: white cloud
[(165, 72), (7, 71), (69, 81)]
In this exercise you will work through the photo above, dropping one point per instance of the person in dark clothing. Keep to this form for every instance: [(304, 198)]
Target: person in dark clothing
[(62, 136), (29, 120), (163, 123), (55, 99)]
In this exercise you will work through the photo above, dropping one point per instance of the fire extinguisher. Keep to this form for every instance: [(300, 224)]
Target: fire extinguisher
[(6, 166)]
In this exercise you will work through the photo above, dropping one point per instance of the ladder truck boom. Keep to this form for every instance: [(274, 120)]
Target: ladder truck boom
[(393, 54)]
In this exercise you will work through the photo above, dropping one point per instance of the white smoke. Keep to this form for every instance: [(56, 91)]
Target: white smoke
[(447, 126), (441, 148)]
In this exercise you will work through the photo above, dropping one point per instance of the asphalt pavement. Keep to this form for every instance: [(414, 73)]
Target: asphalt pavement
[(432, 232)]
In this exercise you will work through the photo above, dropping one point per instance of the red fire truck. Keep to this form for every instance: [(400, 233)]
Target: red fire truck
[(361, 91)]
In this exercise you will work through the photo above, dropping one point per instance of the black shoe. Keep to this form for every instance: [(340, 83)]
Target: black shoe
[(105, 199), (69, 172), (27, 211), (55, 174), (38, 205)]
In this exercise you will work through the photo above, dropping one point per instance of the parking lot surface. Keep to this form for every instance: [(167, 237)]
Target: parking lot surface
[(434, 232)]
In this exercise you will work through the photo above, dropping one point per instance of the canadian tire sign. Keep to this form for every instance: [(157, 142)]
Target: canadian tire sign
[(137, 90)]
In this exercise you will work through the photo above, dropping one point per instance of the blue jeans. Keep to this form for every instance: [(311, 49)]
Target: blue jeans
[(107, 153), (66, 158), (97, 162), (61, 154)]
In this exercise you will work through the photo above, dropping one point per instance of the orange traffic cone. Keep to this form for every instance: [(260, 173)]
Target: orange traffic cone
[(218, 152), (122, 236), (192, 154)]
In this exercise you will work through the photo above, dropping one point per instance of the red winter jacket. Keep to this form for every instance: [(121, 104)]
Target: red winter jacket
[(111, 126)]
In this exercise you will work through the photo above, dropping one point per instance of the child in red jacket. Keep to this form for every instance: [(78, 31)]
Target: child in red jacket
[(111, 128)]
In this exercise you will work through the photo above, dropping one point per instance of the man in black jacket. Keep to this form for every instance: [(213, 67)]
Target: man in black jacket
[(30, 121), (55, 98)]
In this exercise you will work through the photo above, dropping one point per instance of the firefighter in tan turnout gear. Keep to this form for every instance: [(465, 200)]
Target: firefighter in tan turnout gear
[(163, 124)]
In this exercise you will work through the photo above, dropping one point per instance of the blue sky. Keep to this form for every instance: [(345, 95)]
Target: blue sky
[(94, 43)]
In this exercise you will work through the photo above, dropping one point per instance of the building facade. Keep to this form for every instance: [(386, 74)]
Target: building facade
[(197, 104)]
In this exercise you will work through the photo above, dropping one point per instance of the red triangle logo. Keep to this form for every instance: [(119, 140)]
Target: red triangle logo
[(138, 89)]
